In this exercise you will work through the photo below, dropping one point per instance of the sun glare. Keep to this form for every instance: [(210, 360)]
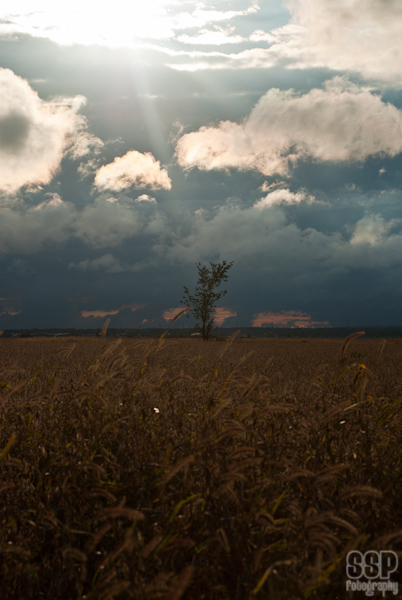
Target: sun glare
[(122, 23)]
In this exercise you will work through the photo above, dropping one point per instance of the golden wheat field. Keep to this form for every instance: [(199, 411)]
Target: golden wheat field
[(177, 468)]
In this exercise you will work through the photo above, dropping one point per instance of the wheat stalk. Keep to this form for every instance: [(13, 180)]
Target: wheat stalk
[(105, 326), (350, 337)]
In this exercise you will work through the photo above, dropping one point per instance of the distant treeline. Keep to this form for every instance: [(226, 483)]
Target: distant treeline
[(244, 332)]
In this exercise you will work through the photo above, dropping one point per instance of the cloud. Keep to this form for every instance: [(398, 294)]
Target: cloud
[(348, 35), (284, 49), (19, 266), (271, 245), (88, 168), (253, 58), (352, 36), (10, 312), (100, 314), (134, 307), (260, 35), (85, 143), (371, 230), (215, 37), (26, 230), (171, 313), (107, 223), (133, 169), (33, 133), (7, 308), (293, 318), (122, 25), (55, 200), (262, 240), (282, 196), (359, 36), (200, 16), (109, 264), (101, 224), (145, 198), (75, 23), (338, 123), (221, 314)]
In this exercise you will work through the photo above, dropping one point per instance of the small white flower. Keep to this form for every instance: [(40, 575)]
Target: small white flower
[(156, 410)]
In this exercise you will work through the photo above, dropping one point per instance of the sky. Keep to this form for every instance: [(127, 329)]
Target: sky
[(137, 139)]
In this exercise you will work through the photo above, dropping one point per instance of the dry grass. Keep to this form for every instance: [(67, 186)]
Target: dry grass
[(263, 464)]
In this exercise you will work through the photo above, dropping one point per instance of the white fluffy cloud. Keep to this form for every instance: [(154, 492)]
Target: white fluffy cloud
[(359, 36), (282, 196), (353, 35), (371, 229), (338, 123), (85, 143), (33, 133), (145, 198), (133, 169)]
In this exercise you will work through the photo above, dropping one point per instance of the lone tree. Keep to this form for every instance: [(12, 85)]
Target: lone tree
[(203, 303)]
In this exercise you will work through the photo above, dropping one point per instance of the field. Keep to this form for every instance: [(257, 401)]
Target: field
[(168, 469)]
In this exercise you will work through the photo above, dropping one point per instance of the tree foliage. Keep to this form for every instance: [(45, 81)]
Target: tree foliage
[(204, 299)]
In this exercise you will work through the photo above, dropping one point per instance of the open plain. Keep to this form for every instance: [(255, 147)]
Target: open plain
[(176, 468)]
